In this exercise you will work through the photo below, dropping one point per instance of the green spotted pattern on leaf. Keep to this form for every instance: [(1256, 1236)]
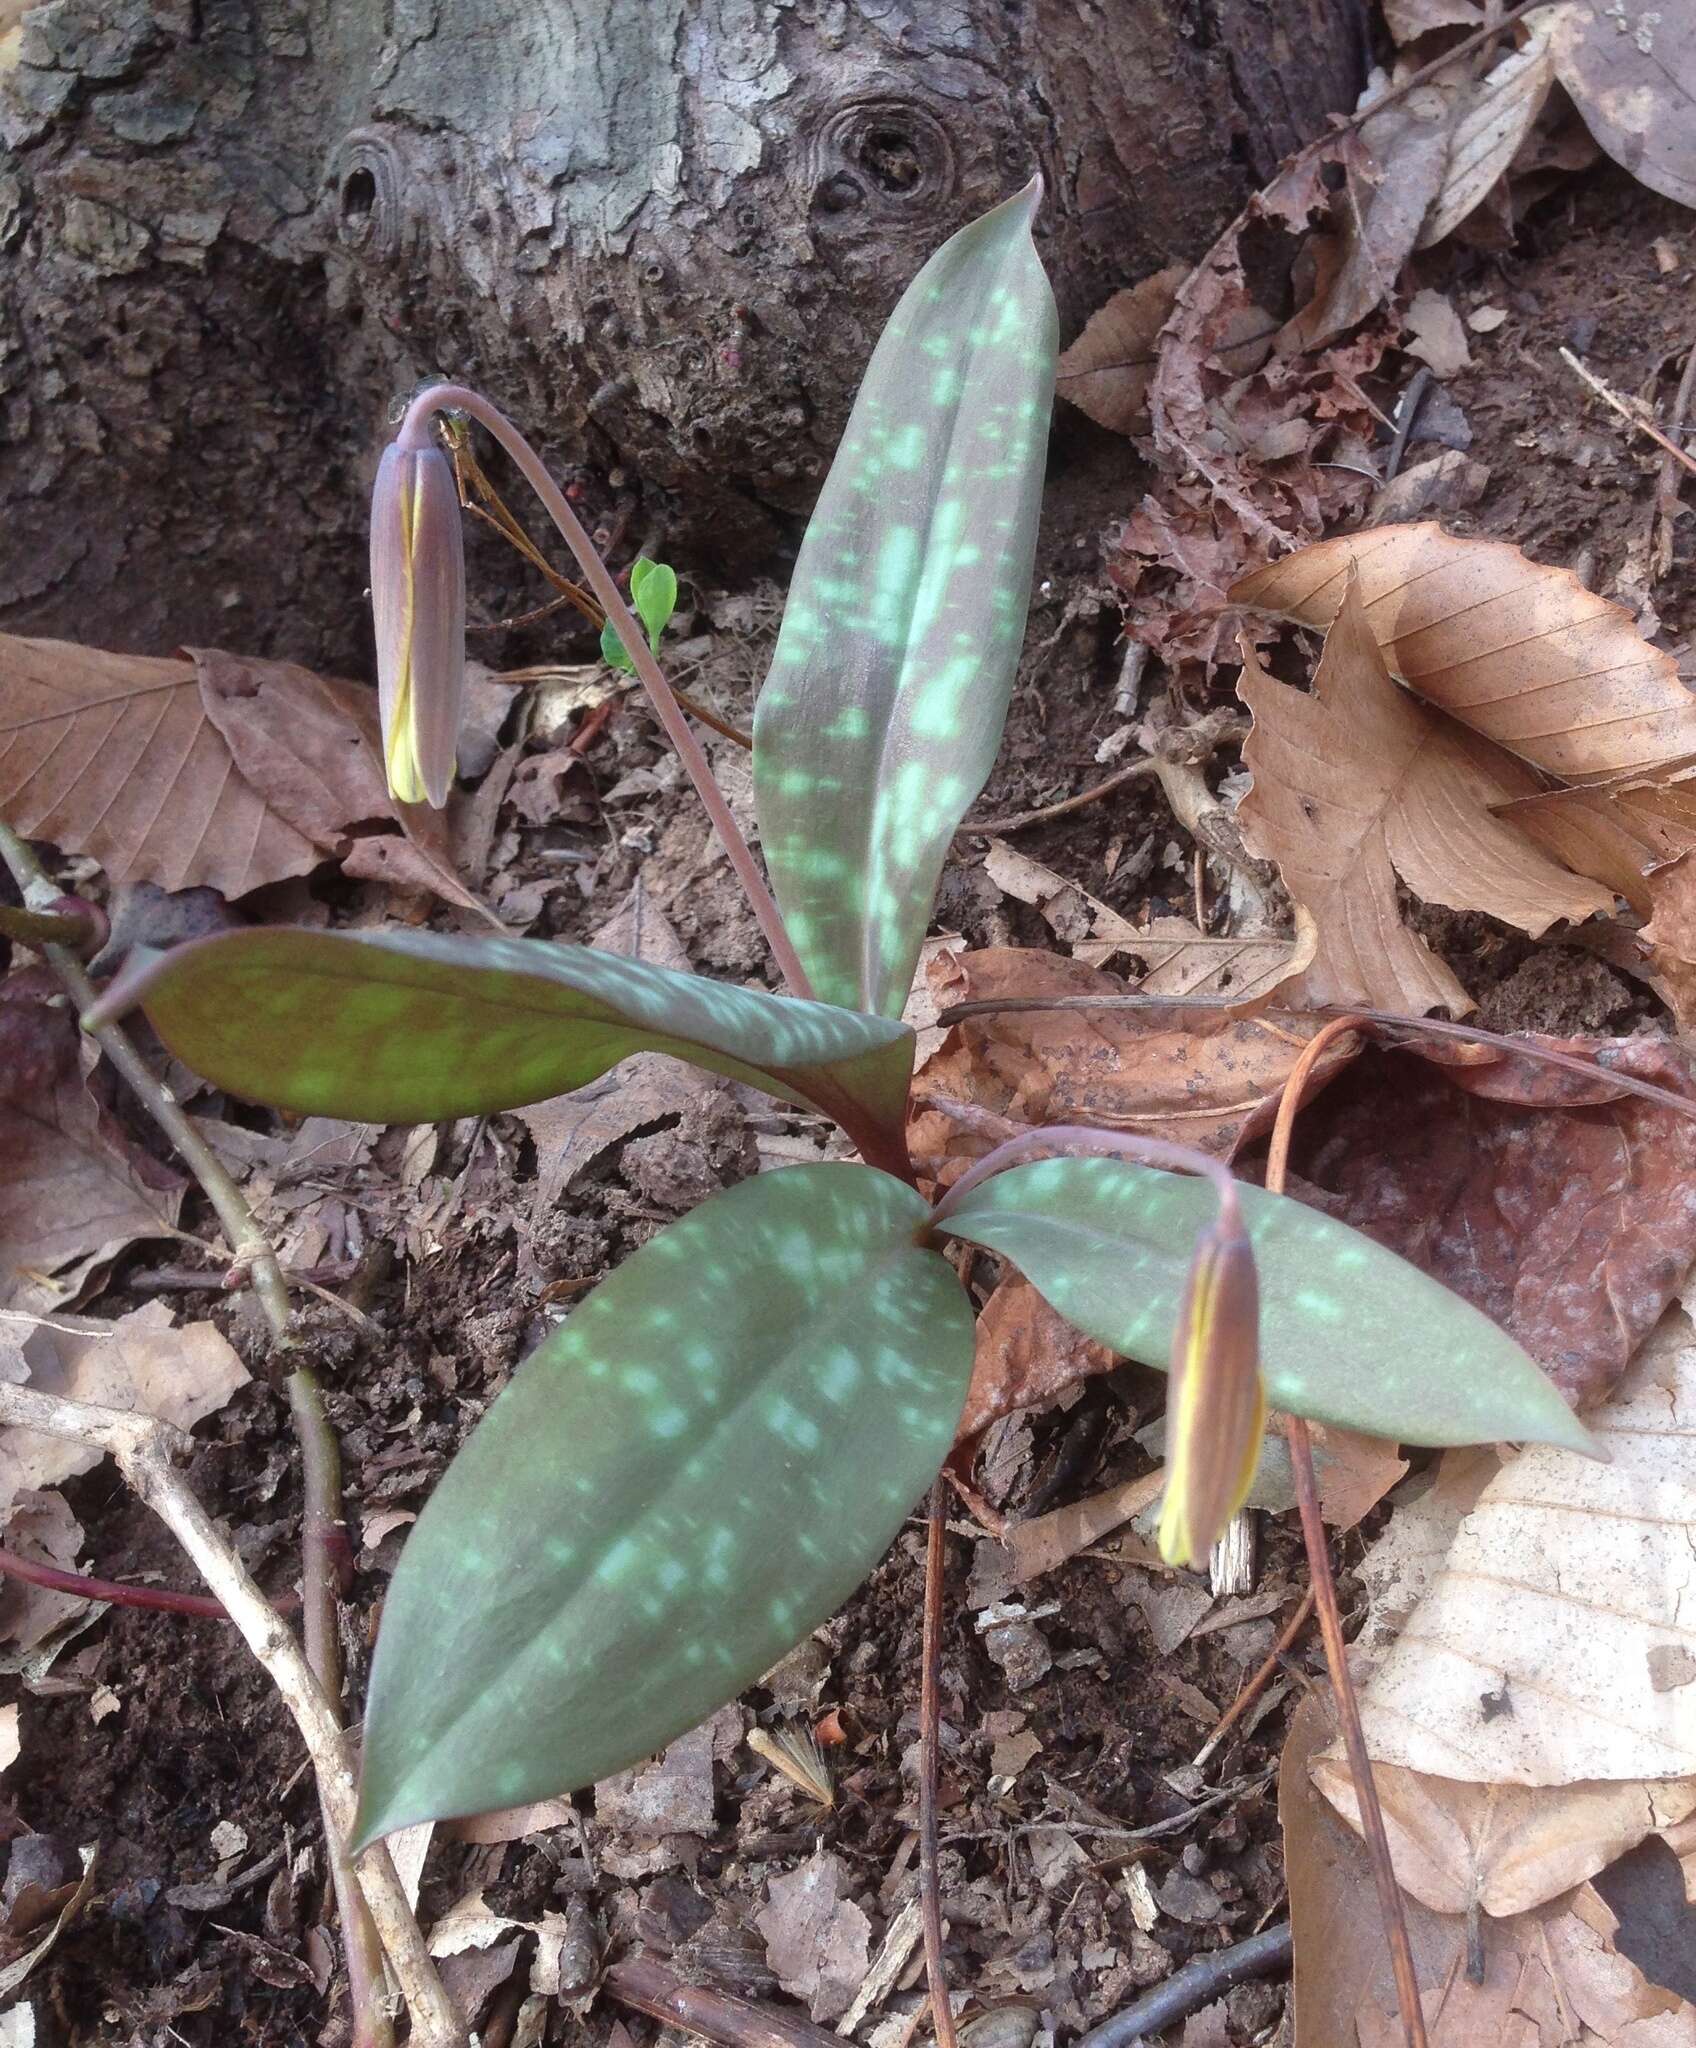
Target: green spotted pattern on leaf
[(416, 1027), (1349, 1332), (690, 1475), (882, 714)]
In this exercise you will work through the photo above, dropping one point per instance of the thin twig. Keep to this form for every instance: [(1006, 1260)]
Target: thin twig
[(1666, 487), (1628, 412), (144, 1447), (930, 1745), (1325, 1597), (1018, 821), (459, 398), (1257, 1684), (1406, 413), (1189, 1989)]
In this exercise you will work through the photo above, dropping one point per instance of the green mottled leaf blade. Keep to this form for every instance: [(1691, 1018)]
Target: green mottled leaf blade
[(882, 714), (1349, 1333), (415, 1027), (691, 1474)]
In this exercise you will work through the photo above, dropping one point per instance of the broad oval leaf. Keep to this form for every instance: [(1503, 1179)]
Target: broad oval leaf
[(882, 714), (694, 1471), (416, 1027), (1349, 1332)]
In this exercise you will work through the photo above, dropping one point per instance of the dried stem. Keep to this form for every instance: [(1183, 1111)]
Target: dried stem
[(1325, 1597), (458, 398), (930, 1744), (320, 1456), (1257, 1684), (1134, 771), (144, 1447), (648, 1986), (1629, 413)]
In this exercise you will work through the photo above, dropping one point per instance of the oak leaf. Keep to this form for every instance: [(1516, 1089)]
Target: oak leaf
[(1359, 783)]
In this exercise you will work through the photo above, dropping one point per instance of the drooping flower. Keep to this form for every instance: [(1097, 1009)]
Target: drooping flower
[(418, 606), (1216, 1406)]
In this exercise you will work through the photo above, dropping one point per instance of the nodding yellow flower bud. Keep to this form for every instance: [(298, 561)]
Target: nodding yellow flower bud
[(418, 603), (1216, 1407)]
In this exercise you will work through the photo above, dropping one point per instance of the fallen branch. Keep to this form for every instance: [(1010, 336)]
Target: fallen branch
[(648, 1986), (1629, 412), (1189, 1989), (144, 1447)]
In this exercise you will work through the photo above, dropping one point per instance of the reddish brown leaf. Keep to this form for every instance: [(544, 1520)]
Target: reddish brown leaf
[(1027, 1356), (1206, 1080), (1106, 371), (1571, 1227)]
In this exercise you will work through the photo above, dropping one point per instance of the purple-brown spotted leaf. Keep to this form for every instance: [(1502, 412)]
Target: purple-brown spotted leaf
[(888, 690), (417, 1027), (683, 1481)]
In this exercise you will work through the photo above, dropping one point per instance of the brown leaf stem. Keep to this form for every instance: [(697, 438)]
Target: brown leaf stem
[(930, 1745), (1325, 1597), (1019, 821), (1258, 1683)]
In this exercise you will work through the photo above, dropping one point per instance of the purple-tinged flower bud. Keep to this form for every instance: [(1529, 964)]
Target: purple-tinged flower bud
[(1216, 1407), (418, 602)]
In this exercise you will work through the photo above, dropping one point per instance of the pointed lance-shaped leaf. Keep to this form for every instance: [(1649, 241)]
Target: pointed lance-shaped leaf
[(418, 611), (687, 1477), (1349, 1332), (882, 714), (416, 1027)]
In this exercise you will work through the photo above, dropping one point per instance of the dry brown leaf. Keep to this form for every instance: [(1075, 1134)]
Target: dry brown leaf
[(1502, 1849), (936, 984), (1106, 371), (1521, 653), (38, 1524), (1175, 958), (1027, 1355), (1398, 1568), (73, 1190), (1553, 1978), (1630, 66), (1358, 783), (1408, 20), (142, 1363), (1044, 1543), (1492, 118), (818, 1941), (214, 771), (1438, 337), (1212, 1081), (1562, 1598), (1447, 483)]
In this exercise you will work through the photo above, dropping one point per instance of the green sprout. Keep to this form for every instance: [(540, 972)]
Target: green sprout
[(717, 1445), (653, 593)]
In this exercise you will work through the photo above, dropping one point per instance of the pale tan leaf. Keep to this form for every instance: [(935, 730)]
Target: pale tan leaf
[(38, 1524), (1564, 1599), (1521, 653), (1407, 20), (1358, 783), (113, 755), (1398, 1568), (1106, 372), (1438, 337), (1494, 117), (1552, 1977), (1630, 66), (1502, 1848), (143, 1363)]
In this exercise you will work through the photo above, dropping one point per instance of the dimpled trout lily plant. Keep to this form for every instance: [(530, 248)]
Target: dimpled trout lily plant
[(703, 1461)]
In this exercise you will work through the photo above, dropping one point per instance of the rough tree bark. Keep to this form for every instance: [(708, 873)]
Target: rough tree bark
[(662, 232)]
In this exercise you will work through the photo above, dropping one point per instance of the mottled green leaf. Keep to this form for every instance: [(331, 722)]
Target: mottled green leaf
[(415, 1027), (691, 1474), (1349, 1332), (653, 598), (882, 714)]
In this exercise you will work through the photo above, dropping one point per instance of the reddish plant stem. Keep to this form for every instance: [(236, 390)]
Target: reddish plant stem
[(930, 1746), (114, 1593), (1050, 1140), (458, 398), (1325, 1598), (1257, 1684), (648, 1986)]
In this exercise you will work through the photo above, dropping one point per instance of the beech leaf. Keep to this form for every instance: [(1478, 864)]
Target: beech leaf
[(686, 1478), (881, 716), (416, 1027), (1521, 653), (1349, 1333), (1359, 783)]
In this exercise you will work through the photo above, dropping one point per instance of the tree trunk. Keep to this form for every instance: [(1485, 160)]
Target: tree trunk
[(663, 233)]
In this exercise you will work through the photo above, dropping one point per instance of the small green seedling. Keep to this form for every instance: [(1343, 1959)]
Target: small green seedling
[(713, 1449), (653, 595)]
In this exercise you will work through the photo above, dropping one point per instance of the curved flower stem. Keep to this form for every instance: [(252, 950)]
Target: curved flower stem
[(459, 398), (1325, 1595), (1051, 1141)]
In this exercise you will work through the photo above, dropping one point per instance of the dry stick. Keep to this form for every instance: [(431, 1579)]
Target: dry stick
[(143, 1447), (648, 1986), (1257, 1684), (930, 1744), (1325, 1594), (1018, 821), (1626, 412), (1666, 487), (458, 398), (1189, 1989), (320, 1457)]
